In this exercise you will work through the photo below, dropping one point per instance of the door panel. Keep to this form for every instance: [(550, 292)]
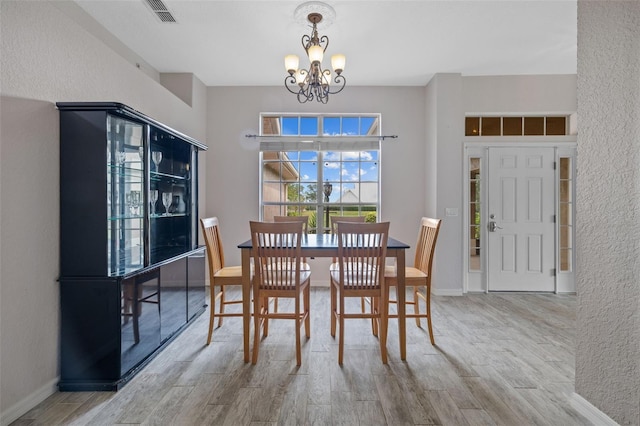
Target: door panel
[(521, 205)]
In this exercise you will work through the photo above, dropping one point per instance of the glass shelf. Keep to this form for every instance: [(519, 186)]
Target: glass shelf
[(166, 215), (162, 177)]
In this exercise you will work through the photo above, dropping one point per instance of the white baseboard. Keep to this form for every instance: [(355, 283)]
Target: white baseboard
[(22, 407), (446, 291), (592, 414)]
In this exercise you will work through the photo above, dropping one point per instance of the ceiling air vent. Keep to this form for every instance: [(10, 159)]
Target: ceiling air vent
[(160, 9)]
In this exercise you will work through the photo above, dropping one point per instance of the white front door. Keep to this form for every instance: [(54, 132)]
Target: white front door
[(521, 229)]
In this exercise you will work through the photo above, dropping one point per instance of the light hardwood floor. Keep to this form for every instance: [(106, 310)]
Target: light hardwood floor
[(500, 359)]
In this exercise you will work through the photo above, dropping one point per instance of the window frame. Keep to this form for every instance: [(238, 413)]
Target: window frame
[(326, 148)]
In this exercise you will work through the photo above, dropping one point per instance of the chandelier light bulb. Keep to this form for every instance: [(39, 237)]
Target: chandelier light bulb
[(316, 53), (291, 63), (338, 62)]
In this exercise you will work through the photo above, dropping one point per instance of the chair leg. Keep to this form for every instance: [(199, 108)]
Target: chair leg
[(383, 312), (341, 337), (428, 300), (416, 306), (212, 312), (257, 316), (307, 317), (334, 304), (265, 319), (222, 298), (298, 325), (374, 323)]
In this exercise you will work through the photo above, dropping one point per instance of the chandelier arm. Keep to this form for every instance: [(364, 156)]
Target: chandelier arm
[(306, 41), (324, 39), (290, 80), (341, 82)]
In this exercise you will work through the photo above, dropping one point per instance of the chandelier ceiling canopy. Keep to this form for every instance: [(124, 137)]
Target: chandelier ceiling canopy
[(314, 82)]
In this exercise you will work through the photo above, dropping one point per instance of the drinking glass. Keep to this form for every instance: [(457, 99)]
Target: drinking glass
[(153, 197), (156, 156), (135, 202), (121, 156), (167, 199), (141, 152)]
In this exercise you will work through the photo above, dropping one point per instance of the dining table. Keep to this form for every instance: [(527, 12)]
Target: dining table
[(326, 245)]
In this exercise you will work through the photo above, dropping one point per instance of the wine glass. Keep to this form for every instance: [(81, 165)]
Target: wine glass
[(153, 196), (156, 156), (135, 202), (121, 156), (167, 199), (141, 152), (127, 202)]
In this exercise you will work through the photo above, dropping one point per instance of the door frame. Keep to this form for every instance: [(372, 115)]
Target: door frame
[(565, 146)]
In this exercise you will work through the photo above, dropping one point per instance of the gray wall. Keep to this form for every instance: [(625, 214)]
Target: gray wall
[(608, 201), (46, 58)]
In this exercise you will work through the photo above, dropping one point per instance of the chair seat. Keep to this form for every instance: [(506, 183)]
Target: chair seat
[(410, 273), (229, 272)]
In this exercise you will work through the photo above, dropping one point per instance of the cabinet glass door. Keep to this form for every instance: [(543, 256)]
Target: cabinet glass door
[(126, 206), (170, 177)]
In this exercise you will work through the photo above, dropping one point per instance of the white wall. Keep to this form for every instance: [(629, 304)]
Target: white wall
[(526, 94), (608, 205), (46, 58)]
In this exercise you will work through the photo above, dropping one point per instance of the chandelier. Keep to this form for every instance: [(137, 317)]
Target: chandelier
[(314, 82)]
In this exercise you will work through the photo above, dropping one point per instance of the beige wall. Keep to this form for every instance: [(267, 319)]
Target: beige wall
[(48, 58), (608, 206)]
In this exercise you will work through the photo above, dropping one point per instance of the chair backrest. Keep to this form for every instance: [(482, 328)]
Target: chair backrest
[(351, 219), (277, 251), (304, 219), (362, 249), (215, 253), (426, 246)]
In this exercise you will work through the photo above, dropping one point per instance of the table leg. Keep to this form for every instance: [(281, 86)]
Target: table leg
[(246, 299), (401, 296)]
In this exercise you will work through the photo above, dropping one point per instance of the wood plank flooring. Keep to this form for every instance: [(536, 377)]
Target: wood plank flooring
[(500, 359)]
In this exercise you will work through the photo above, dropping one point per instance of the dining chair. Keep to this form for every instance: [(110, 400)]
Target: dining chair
[(362, 249), (219, 275), (334, 230), (277, 253), (352, 219), (304, 219), (305, 226), (419, 275)]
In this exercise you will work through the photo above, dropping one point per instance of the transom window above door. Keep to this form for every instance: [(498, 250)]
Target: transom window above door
[(516, 126), (320, 166)]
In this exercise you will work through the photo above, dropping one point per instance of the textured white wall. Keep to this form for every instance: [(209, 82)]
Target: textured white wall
[(608, 199), (46, 58)]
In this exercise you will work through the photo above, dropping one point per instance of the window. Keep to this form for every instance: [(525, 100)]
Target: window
[(566, 214), (320, 166), (515, 126), (474, 197)]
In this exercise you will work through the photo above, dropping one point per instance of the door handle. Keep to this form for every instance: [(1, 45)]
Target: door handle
[(493, 226)]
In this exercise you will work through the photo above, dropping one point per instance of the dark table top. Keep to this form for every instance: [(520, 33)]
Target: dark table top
[(329, 242)]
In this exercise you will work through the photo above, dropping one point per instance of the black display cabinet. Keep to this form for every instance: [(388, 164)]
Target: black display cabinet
[(132, 275)]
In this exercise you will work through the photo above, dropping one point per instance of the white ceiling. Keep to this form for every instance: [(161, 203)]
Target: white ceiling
[(387, 43)]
